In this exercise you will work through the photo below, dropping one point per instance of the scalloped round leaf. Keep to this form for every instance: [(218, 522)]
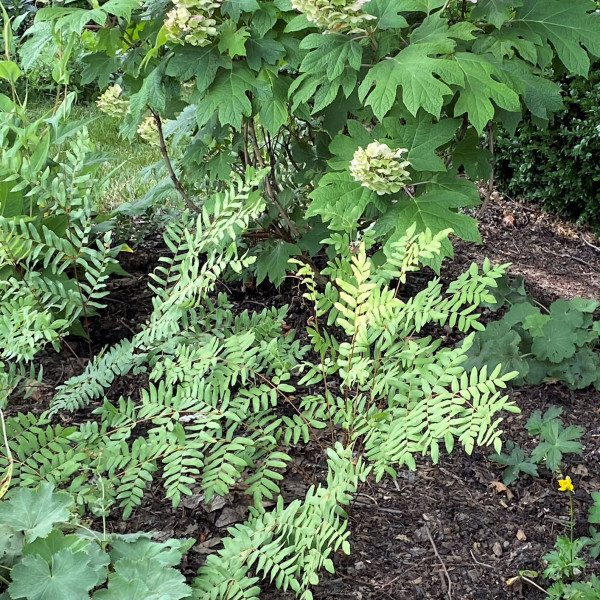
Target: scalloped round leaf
[(35, 511), (68, 577), (556, 343), (579, 372), (519, 312)]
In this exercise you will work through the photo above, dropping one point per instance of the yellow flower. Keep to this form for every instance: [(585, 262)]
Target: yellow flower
[(565, 484)]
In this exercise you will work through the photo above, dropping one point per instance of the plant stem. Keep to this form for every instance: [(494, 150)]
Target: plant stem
[(165, 154)]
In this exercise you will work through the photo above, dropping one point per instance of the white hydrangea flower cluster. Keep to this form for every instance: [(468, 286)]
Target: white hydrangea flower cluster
[(335, 15), (148, 131), (191, 22), (380, 169), (111, 103)]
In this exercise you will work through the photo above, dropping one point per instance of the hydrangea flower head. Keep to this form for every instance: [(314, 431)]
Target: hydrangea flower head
[(380, 168)]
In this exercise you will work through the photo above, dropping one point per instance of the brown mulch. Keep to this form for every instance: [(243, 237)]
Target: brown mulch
[(446, 531)]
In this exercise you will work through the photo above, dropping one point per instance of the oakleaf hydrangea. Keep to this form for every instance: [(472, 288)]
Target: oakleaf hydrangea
[(148, 131), (191, 22), (380, 169), (111, 103), (335, 15)]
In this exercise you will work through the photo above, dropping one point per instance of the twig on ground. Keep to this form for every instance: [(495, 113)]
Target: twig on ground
[(441, 562), (590, 245), (478, 562)]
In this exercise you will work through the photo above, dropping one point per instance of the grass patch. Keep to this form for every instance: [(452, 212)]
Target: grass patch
[(126, 183)]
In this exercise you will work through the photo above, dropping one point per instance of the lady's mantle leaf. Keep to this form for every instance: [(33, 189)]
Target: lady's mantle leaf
[(35, 511), (68, 577)]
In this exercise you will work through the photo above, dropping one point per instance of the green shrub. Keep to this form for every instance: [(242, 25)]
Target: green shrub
[(558, 165), (365, 112), (53, 268)]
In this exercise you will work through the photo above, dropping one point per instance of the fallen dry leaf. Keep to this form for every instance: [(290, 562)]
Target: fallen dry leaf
[(500, 487), (508, 220)]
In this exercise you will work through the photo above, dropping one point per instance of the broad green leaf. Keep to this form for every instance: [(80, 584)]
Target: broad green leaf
[(330, 54), (98, 67), (343, 147), (9, 70), (459, 192), (227, 97), (273, 262), (387, 13), (497, 345), (556, 343), (85, 549), (505, 43), (413, 70), (34, 511), (435, 30), (497, 12), (515, 462), (433, 211), (557, 440), (192, 61), (264, 19), (341, 199), (152, 93), (234, 8), (566, 25), (274, 109), (233, 39), (542, 96), (167, 554), (474, 159), (421, 137), (425, 6), (120, 588), (518, 313), (536, 420), (163, 583), (263, 49), (68, 577), (481, 85), (578, 372)]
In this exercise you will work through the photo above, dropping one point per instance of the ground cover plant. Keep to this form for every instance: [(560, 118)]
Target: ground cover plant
[(335, 143)]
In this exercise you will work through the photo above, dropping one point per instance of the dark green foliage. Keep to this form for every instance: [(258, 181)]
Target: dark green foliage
[(516, 462), (558, 346), (558, 165), (554, 440)]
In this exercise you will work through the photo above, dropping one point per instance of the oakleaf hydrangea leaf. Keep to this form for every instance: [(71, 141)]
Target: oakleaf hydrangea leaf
[(234, 8), (68, 577), (387, 13), (34, 511), (273, 262), (414, 70), (481, 86), (567, 26), (496, 12)]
